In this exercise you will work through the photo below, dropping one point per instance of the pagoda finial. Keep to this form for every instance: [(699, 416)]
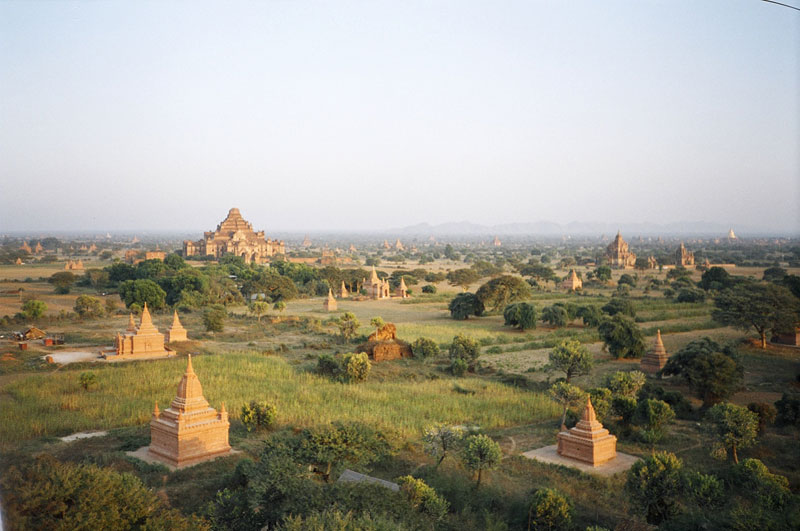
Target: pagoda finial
[(156, 412), (146, 319), (189, 369), (222, 409), (588, 413)]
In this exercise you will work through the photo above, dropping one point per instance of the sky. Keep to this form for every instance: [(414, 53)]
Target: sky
[(341, 115)]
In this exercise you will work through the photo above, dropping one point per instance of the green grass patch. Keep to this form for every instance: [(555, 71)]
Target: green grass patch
[(54, 404)]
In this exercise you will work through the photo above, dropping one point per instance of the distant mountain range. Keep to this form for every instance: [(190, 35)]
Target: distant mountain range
[(548, 228)]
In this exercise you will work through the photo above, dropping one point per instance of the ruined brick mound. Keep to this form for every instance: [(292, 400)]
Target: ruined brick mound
[(392, 349), (384, 333)]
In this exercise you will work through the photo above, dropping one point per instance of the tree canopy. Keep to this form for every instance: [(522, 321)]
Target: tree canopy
[(503, 290), (711, 371), (759, 306)]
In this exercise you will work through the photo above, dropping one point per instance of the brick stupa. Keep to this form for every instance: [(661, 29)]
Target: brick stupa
[(189, 430), (176, 332), (144, 340), (655, 358), (588, 441), (343, 293), (330, 303)]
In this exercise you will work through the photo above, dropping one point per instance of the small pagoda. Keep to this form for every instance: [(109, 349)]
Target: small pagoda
[(402, 289), (343, 293), (330, 303), (189, 430), (655, 358), (144, 339), (176, 332), (572, 282), (588, 441)]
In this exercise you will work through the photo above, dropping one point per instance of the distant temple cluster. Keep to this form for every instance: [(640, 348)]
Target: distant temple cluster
[(235, 236), (618, 254), (377, 288)]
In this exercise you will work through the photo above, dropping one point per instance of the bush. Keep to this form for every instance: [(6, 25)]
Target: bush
[(87, 379), (424, 348), (214, 318), (549, 509), (465, 349), (258, 416), (690, 295), (356, 366), (480, 453), (423, 498), (428, 288), (33, 309), (788, 410), (521, 315), (622, 337), (766, 414), (458, 367), (621, 306), (88, 307)]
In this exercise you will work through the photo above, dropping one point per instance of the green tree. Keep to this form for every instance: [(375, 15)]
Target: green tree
[(329, 445), (480, 453), (422, 347), (752, 476), (625, 383), (766, 414), (567, 396), (654, 486), (48, 494), (602, 274), (555, 316), (377, 323), (591, 315), (88, 307), (214, 318), (464, 305), (142, 291), (348, 326), (520, 315), (63, 281), (621, 306), (622, 337), (503, 290), (757, 305), (732, 428), (423, 498), (463, 278), (549, 510), (539, 272), (440, 440), (258, 308), (626, 280), (572, 358), (653, 416), (258, 415), (34, 309), (712, 372), (87, 379), (279, 306), (716, 278)]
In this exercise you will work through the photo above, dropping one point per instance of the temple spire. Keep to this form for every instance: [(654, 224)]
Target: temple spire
[(146, 319), (588, 413), (156, 412), (131, 323), (189, 368)]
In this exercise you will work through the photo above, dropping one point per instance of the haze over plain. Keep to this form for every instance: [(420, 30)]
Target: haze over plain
[(369, 115)]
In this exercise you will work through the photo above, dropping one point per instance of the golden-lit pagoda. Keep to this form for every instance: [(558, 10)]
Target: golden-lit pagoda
[(330, 303), (189, 430), (655, 358), (176, 332), (588, 441), (144, 339)]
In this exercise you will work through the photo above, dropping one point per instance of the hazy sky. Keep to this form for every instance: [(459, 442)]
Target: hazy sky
[(365, 115)]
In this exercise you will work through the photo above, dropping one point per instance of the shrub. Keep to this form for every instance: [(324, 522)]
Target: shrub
[(621, 306), (549, 509), (458, 367), (356, 366), (348, 326), (428, 288), (766, 414), (655, 486), (555, 316), (622, 337), (521, 315), (87, 379), (788, 410), (258, 415), (33, 309), (690, 295), (423, 498), (464, 348), (732, 428), (88, 307), (423, 347), (214, 318)]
